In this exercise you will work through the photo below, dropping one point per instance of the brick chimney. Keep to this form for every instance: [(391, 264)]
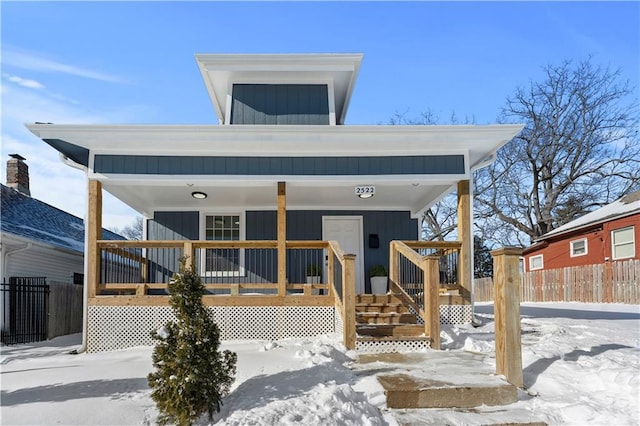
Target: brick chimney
[(18, 174)]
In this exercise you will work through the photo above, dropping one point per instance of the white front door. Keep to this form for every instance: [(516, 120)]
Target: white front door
[(347, 231)]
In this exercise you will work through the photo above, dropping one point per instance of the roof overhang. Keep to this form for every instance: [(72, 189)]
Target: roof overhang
[(147, 193), (220, 71)]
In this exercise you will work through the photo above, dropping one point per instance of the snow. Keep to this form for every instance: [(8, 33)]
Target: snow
[(581, 366)]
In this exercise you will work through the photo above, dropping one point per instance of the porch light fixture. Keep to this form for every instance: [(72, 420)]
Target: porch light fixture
[(199, 195)]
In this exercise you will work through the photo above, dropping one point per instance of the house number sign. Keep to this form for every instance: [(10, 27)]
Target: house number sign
[(365, 190)]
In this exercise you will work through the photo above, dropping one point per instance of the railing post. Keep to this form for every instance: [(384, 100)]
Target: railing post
[(187, 252), (506, 284), (282, 239), (349, 300), (431, 280), (330, 270), (394, 261)]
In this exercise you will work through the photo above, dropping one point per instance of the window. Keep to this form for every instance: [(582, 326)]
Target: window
[(623, 243), (536, 262), (223, 261), (578, 247), (78, 278)]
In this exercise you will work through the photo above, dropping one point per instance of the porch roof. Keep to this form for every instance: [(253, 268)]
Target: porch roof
[(170, 191)]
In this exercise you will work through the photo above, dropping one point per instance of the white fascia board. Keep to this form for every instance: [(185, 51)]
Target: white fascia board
[(274, 140)]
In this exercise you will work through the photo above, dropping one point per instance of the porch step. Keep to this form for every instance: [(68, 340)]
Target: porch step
[(377, 298), (382, 308), (382, 331), (406, 391), (385, 318)]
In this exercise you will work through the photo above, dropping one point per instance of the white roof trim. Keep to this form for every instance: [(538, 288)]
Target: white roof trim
[(221, 71), (479, 142)]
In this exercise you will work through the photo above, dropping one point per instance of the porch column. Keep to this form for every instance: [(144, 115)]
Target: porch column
[(465, 237), (282, 239), (94, 233)]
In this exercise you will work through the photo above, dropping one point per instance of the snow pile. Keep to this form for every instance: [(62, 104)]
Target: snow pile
[(581, 365)]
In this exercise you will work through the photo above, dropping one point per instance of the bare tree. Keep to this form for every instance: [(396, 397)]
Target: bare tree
[(132, 231), (439, 221), (579, 150)]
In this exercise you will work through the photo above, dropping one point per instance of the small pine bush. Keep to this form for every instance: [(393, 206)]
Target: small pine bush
[(191, 374)]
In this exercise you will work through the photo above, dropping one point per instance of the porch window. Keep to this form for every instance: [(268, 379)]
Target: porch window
[(623, 243), (223, 262), (578, 247), (536, 262)]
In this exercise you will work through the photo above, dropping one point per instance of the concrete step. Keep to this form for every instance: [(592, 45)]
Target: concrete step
[(411, 391), (390, 330), (381, 307), (385, 318)]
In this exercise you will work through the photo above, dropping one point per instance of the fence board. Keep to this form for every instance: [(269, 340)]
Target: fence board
[(617, 282)]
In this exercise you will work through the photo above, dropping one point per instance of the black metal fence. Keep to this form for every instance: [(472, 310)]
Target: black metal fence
[(24, 302)]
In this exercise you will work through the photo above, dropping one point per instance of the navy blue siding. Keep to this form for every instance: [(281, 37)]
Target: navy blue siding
[(283, 166), (174, 226), (307, 225), (280, 104), (169, 226), (301, 225)]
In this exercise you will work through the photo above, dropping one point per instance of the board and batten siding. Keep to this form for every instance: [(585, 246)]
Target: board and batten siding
[(280, 166), (301, 225), (280, 104)]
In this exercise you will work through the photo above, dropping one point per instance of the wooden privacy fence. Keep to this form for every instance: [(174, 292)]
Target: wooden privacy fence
[(617, 282), (65, 309)]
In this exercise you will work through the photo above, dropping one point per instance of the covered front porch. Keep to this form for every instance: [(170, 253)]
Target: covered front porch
[(266, 288)]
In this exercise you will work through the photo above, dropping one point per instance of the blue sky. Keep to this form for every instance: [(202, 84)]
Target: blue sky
[(132, 62)]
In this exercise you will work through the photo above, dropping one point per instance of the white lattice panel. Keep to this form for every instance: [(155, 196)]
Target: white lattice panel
[(450, 314), (338, 323), (383, 346), (118, 327), (456, 314)]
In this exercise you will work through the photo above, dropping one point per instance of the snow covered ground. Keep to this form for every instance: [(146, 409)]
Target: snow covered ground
[(581, 366)]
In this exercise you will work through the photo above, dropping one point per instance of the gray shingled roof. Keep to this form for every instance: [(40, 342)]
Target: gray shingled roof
[(625, 206), (27, 217)]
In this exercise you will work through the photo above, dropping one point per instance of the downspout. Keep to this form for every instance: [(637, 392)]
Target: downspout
[(27, 246), (85, 289)]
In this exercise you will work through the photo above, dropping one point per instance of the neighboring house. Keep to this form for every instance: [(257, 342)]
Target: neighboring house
[(254, 201), (40, 245), (39, 240), (609, 234)]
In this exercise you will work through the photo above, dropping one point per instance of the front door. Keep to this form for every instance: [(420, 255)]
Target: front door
[(347, 231)]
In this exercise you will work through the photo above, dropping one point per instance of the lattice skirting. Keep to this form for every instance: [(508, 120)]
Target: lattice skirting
[(451, 314), (382, 346), (456, 314), (119, 327)]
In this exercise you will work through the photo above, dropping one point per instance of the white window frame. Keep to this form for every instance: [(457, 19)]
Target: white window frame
[(538, 256), (203, 236), (632, 242), (572, 247)]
